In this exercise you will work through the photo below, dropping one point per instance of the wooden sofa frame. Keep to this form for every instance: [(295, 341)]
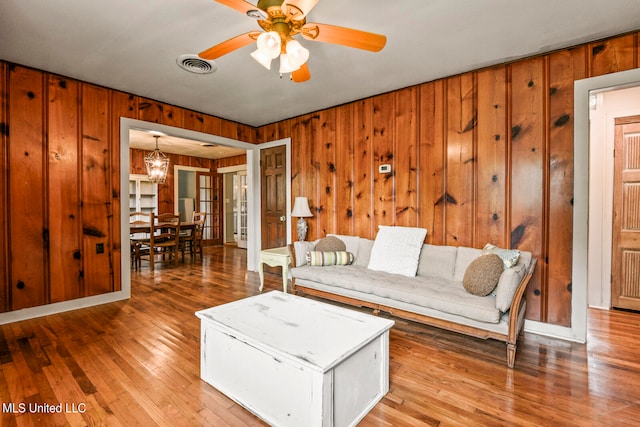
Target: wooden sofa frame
[(517, 305)]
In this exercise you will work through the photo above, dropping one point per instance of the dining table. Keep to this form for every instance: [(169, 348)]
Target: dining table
[(140, 227), (145, 227)]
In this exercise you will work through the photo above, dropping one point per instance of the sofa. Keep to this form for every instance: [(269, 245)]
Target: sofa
[(435, 294)]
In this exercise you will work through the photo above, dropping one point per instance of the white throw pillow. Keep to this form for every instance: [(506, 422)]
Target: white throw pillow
[(397, 250)]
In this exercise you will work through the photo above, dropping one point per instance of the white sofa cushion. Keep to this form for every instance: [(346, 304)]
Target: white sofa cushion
[(509, 281), (437, 261), (364, 252), (396, 250), (351, 242), (433, 293), (300, 249), (464, 257)]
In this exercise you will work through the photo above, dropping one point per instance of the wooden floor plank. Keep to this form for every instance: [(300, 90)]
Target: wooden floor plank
[(137, 362)]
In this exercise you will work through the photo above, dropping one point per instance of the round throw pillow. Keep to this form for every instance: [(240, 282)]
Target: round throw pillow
[(482, 275), (330, 244)]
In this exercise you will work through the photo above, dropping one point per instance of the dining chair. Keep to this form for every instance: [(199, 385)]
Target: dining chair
[(164, 238), (136, 239), (192, 241)]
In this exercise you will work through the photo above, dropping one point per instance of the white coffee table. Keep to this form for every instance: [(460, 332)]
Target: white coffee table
[(293, 361)]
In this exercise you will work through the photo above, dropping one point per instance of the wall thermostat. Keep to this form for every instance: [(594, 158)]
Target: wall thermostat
[(384, 168)]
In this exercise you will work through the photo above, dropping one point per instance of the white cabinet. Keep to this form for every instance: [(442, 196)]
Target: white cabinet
[(143, 194)]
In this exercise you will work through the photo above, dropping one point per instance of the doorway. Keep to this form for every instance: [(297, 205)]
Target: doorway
[(253, 181), (235, 205), (605, 106), (589, 242)]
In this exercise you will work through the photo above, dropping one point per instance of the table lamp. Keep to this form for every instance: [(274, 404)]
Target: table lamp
[(301, 211)]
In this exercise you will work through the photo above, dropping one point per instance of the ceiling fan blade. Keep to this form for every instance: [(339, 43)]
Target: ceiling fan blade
[(230, 45), (344, 36), (239, 5), (302, 74), (305, 6)]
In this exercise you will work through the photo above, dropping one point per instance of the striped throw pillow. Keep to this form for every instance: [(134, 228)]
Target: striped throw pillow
[(318, 258)]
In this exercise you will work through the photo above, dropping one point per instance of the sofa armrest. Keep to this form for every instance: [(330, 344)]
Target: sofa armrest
[(518, 304), (292, 255)]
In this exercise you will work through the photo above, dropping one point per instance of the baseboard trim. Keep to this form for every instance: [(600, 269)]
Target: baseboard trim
[(553, 331), (61, 307)]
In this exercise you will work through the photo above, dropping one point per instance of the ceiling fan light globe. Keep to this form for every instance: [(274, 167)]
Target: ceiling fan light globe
[(262, 57), (285, 64), (296, 54), (269, 43)]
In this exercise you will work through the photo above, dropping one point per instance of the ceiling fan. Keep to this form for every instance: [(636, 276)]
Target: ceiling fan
[(281, 20)]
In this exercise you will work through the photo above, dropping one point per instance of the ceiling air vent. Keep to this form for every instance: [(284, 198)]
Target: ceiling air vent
[(195, 64)]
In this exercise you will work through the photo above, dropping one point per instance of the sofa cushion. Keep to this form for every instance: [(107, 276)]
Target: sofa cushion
[(364, 252), (464, 257), (435, 293), (330, 244), (397, 249), (352, 243), (300, 251), (509, 256), (483, 274), (323, 258), (509, 281), (437, 261)]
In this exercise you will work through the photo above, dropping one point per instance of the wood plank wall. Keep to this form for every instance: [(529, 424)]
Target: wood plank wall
[(485, 156), (166, 191), (60, 178)]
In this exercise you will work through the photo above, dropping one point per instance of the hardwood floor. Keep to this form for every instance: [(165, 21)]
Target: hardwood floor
[(137, 362)]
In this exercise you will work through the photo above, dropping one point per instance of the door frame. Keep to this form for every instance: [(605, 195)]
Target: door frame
[(601, 189), (254, 204), (586, 243), (128, 124)]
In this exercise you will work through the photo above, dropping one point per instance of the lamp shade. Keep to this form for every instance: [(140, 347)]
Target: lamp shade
[(296, 54), (262, 57), (270, 43), (285, 64), (268, 48), (301, 208)]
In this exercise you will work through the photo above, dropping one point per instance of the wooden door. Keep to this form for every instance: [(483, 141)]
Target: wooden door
[(273, 163), (209, 199), (625, 263)]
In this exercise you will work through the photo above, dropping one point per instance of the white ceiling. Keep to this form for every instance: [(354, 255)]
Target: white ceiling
[(145, 140), (132, 45)]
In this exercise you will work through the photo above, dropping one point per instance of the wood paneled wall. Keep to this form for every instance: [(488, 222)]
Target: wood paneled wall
[(60, 182), (486, 156), (166, 191)]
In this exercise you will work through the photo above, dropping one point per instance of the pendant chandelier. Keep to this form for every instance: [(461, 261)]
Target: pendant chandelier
[(157, 164)]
